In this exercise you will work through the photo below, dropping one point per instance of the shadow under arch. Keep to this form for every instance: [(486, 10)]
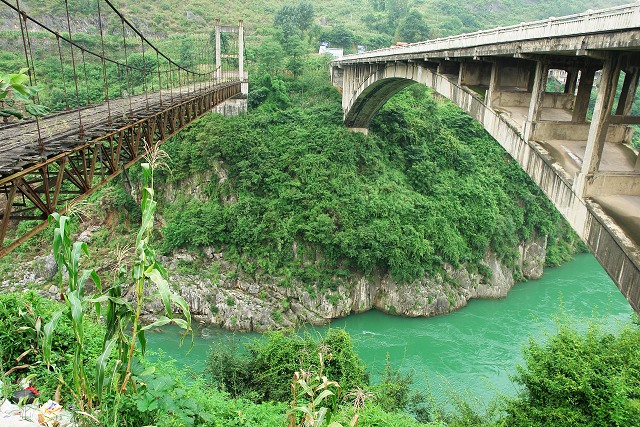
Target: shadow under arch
[(372, 98)]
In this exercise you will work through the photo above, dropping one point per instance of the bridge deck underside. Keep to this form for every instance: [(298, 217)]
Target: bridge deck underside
[(569, 155)]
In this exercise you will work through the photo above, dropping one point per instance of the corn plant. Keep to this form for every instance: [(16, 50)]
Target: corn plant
[(68, 257), (315, 399), (123, 327), (146, 270)]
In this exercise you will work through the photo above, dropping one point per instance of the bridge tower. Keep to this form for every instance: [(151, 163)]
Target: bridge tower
[(237, 104)]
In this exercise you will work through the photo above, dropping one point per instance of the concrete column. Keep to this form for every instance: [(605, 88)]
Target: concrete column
[(628, 93), (601, 113), (218, 53), (581, 104), (461, 73), (493, 84), (245, 84), (537, 96), (572, 79)]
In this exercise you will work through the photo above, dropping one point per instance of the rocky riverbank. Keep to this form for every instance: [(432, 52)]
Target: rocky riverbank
[(220, 296), (241, 303)]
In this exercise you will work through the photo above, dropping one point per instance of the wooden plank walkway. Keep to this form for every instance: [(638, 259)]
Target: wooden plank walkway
[(59, 132)]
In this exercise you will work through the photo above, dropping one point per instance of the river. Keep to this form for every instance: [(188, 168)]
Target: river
[(471, 352)]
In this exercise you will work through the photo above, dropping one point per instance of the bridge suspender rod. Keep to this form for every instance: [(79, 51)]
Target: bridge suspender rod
[(144, 76), (159, 78), (104, 66), (75, 74), (127, 72), (28, 55)]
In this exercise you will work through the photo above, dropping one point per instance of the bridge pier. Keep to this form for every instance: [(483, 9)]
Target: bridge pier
[(537, 98), (581, 105)]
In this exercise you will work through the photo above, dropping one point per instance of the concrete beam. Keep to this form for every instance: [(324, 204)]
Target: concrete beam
[(606, 184), (569, 131)]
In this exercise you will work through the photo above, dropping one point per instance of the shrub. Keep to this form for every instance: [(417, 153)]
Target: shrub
[(589, 379)]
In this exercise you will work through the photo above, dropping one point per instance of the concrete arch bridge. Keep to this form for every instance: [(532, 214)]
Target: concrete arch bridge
[(586, 167)]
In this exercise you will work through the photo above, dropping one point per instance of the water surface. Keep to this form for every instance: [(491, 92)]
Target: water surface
[(473, 351)]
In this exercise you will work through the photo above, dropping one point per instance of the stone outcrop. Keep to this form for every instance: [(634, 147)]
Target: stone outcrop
[(220, 296), (235, 302)]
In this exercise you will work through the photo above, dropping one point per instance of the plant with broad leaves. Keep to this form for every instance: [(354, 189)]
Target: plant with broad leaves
[(146, 271), (68, 257), (123, 327), (315, 399), (14, 88)]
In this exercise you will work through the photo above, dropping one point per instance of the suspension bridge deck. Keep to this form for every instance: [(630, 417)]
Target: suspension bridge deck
[(23, 143), (51, 163)]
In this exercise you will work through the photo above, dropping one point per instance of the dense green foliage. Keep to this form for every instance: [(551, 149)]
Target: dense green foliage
[(263, 371), (590, 379), (428, 187), (573, 378), (22, 321)]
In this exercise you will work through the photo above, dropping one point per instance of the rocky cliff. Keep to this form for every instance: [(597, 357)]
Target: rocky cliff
[(220, 296), (232, 301)]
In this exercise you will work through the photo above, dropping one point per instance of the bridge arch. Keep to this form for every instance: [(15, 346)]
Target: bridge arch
[(379, 86), (364, 92)]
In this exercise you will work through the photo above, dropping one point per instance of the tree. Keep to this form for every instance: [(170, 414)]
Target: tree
[(413, 28), (294, 20), (270, 56), (575, 379), (296, 50), (339, 36)]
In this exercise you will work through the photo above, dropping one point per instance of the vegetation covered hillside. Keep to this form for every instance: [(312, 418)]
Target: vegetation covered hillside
[(364, 19)]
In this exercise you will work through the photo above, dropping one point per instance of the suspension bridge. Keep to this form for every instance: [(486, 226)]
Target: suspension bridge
[(114, 93)]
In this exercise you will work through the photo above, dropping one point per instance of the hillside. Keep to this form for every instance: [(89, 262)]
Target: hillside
[(364, 18)]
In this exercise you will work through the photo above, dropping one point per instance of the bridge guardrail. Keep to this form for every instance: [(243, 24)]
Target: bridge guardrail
[(603, 20)]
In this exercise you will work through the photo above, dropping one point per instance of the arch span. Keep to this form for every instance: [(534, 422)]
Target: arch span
[(610, 245), (378, 87), (372, 98)]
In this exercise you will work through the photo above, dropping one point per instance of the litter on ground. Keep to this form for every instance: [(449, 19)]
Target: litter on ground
[(49, 414)]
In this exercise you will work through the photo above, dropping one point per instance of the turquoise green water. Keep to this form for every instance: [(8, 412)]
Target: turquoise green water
[(472, 351)]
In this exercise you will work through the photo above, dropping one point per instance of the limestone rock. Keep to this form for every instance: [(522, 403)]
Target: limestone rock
[(532, 255), (236, 302), (45, 266)]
